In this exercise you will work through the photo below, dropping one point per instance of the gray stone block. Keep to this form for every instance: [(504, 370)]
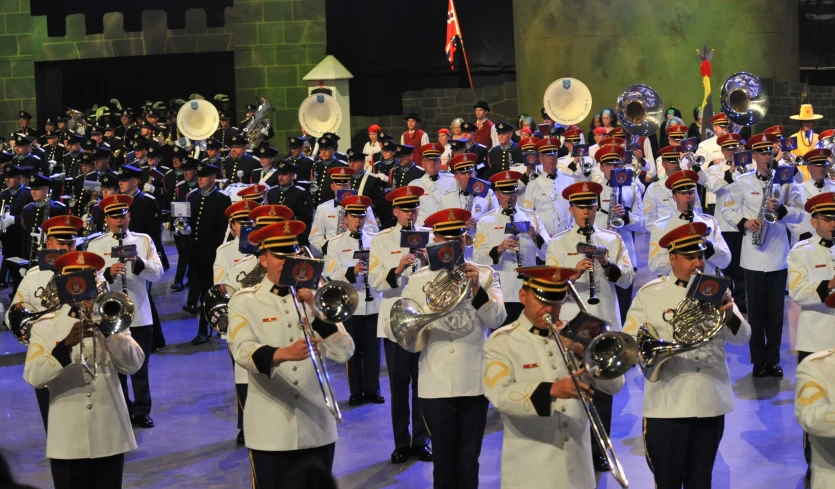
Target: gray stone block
[(127, 47)]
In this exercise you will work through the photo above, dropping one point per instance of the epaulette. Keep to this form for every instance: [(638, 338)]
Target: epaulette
[(507, 328), (224, 245), (149, 195), (295, 186), (652, 283), (180, 183), (819, 355), (450, 191), (60, 204), (384, 231), (100, 237), (803, 242)]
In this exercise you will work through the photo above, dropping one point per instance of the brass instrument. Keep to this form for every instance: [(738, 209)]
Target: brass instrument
[(588, 231), (692, 162), (49, 294), (744, 99), (695, 323), (216, 306), (5, 212), (567, 101), (252, 277), (90, 223), (640, 110), (181, 225), (258, 122), (765, 216), (76, 121), (444, 294)]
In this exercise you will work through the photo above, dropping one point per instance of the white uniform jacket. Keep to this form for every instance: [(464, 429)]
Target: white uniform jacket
[(451, 360), (633, 221), (384, 258), (577, 173), (543, 195), (562, 252), (228, 255), (546, 442), (430, 201), (87, 418), (326, 225), (31, 288), (811, 267), (807, 190), (490, 234), (659, 258), (747, 196), (815, 410), (339, 265), (719, 181), (693, 384), (147, 268), (285, 409), (658, 201)]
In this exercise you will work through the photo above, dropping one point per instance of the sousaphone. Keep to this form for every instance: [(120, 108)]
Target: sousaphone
[(567, 101), (197, 119), (320, 113)]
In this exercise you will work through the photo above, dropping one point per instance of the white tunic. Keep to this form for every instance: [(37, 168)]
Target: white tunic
[(87, 418), (384, 258), (717, 183), (543, 195), (340, 258), (285, 409), (562, 252), (430, 201), (815, 411), (659, 258), (807, 190), (31, 288), (631, 199), (578, 174), (811, 267), (137, 285), (747, 196), (545, 443), (227, 257), (326, 224), (693, 384), (658, 201)]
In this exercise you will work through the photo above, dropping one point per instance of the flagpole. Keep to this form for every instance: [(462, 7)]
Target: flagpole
[(461, 38)]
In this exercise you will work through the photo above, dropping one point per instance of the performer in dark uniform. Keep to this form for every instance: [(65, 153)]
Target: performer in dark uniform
[(24, 157), (53, 149), (267, 174), (477, 149), (406, 170), (239, 160), (304, 164), (388, 162), (294, 197), (153, 177), (24, 128), (327, 160), (502, 156), (213, 156), (40, 209), (80, 197), (208, 225), (109, 186), (225, 132), (370, 186), (15, 196)]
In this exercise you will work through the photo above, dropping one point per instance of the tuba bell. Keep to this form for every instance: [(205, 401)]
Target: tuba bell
[(640, 110), (216, 306), (22, 317), (198, 119), (744, 99), (320, 113), (567, 101)]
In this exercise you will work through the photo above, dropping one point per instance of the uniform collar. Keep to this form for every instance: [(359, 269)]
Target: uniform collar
[(551, 176), (355, 235), (818, 185), (210, 192), (762, 178), (525, 324), (826, 243), (434, 178), (509, 211), (672, 279), (581, 230), (279, 290)]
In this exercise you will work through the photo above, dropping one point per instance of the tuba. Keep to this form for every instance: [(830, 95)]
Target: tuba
[(567, 101), (216, 306), (197, 120), (252, 277), (695, 323), (258, 122), (21, 319), (744, 99), (640, 110), (320, 113), (76, 122), (444, 295)]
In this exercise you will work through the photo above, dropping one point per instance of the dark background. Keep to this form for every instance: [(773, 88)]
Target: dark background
[(816, 22)]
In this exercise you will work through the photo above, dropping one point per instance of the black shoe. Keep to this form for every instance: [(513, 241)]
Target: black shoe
[(400, 455), (774, 369), (240, 439), (374, 398), (759, 370), (199, 339), (177, 287), (354, 400), (423, 452), (600, 463), (193, 310), (158, 349), (142, 421)]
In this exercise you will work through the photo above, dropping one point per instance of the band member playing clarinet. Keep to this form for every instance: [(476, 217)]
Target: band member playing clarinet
[(451, 355), (684, 410), (340, 264), (546, 436), (286, 421), (91, 432), (604, 267), (506, 249), (131, 275)]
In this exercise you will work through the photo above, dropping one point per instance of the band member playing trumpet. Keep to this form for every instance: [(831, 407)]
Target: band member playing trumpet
[(658, 199), (546, 436), (286, 421), (390, 268), (329, 218), (756, 204), (717, 255), (506, 251), (340, 264), (682, 431), (91, 430), (61, 232), (582, 168), (543, 195), (451, 357)]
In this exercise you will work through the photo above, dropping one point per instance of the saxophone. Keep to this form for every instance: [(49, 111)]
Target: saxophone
[(764, 215)]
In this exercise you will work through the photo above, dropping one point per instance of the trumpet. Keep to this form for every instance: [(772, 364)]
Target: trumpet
[(181, 225), (692, 162)]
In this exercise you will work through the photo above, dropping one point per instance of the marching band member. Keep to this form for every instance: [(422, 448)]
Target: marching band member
[(468, 131), (321, 170), (91, 432), (543, 195), (813, 408), (463, 169), (329, 218), (389, 270), (710, 148), (658, 199), (817, 183), (434, 183), (266, 174), (717, 255), (610, 269), (406, 170), (720, 175), (764, 266), (261, 216), (238, 160), (180, 194), (505, 153), (369, 185), (288, 194), (286, 421), (806, 136), (505, 252), (61, 232), (629, 208), (304, 163), (546, 437), (582, 168), (450, 388), (684, 410), (340, 264), (16, 196), (81, 196), (36, 212), (388, 162), (675, 133), (145, 267)]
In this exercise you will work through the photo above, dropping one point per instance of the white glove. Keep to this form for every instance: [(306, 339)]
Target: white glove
[(264, 131), (71, 202), (7, 222), (383, 177), (148, 188)]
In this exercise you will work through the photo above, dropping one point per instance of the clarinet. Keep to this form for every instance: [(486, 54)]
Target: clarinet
[(413, 250), (689, 212), (122, 260), (518, 246), (368, 297), (592, 285)]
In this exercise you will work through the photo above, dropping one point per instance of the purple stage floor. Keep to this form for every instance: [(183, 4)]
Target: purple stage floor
[(193, 443)]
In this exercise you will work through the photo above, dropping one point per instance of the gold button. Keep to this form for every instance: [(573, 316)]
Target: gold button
[(562, 409), (451, 340), (89, 394), (452, 350), (550, 354), (89, 407), (295, 368), (286, 312), (289, 326), (544, 342), (295, 382), (291, 340), (296, 396), (554, 367), (566, 439)]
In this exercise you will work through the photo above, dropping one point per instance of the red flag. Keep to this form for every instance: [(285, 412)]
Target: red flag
[(453, 34)]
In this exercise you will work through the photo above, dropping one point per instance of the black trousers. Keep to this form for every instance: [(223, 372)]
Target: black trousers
[(807, 448), (141, 404), (456, 425), (88, 473), (681, 451), (292, 469), (734, 271), (403, 370), (514, 310), (603, 403), (624, 301), (241, 391), (156, 324), (201, 280), (181, 242), (42, 395), (766, 291), (364, 365)]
